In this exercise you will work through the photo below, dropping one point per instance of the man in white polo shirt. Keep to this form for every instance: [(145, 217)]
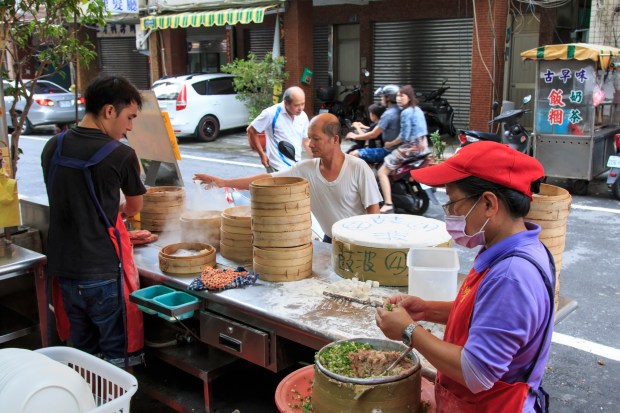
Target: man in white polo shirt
[(286, 122)]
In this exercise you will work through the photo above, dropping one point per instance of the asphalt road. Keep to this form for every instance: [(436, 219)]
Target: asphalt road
[(583, 373)]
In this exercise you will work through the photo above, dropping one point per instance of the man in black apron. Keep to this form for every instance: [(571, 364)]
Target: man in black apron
[(90, 261)]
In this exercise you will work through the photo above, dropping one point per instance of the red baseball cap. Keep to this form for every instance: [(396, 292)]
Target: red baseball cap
[(491, 161)]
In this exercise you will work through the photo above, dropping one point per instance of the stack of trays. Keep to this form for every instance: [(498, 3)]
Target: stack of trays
[(236, 234), (163, 206), (281, 228)]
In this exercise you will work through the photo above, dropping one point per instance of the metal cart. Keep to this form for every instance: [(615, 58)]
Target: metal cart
[(574, 124)]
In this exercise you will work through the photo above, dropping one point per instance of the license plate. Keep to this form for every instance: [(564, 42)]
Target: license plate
[(64, 103), (613, 162), (323, 110)]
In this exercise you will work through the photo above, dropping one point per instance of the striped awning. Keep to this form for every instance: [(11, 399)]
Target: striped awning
[(578, 51), (205, 18)]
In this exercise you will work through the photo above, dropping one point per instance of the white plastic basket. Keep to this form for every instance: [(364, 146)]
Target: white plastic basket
[(112, 387)]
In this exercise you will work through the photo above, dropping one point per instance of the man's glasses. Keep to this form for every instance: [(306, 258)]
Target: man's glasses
[(446, 207)]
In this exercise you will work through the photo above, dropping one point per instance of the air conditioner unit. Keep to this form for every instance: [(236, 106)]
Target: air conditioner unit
[(142, 38)]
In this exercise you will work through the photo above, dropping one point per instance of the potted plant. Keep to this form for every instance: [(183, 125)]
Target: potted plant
[(258, 82), (439, 146)]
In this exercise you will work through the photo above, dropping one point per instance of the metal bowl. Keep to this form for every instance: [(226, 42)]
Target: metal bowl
[(377, 344)]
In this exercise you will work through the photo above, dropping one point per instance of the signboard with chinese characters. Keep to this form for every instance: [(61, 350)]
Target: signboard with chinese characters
[(564, 103), (122, 6)]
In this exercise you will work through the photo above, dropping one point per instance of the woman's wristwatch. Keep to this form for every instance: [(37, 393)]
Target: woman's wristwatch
[(407, 333)]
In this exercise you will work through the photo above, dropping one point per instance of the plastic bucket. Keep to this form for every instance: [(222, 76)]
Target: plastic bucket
[(433, 273)]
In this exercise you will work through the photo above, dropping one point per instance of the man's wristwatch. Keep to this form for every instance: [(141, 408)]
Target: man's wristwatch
[(408, 332)]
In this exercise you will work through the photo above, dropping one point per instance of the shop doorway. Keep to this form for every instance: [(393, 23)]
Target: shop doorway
[(347, 58)]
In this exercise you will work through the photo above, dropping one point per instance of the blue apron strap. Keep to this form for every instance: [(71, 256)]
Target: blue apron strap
[(273, 134)]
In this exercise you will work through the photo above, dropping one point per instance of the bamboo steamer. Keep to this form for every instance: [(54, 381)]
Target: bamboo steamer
[(231, 236), (550, 209), (283, 274), (242, 213), (163, 206), (236, 230), (296, 212), (302, 251), (201, 226), (191, 264), (238, 254), (268, 228), (282, 186), (282, 240)]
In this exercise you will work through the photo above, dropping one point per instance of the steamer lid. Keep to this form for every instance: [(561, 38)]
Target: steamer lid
[(391, 231)]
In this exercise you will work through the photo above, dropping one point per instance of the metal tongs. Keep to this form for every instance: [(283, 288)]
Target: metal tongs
[(398, 360), (352, 299)]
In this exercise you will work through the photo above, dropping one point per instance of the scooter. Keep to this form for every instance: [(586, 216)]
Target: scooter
[(350, 108), (438, 112), (408, 195), (514, 134), (613, 179)]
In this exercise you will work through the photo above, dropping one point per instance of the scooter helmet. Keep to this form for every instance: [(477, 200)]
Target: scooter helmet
[(389, 91)]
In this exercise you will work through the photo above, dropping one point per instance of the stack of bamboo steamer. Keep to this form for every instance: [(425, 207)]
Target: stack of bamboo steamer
[(201, 226), (236, 234), (162, 207), (281, 228), (550, 209)]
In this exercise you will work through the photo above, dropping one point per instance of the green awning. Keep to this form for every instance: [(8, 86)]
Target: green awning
[(205, 18)]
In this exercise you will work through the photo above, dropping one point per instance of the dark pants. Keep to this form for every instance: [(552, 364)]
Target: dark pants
[(95, 313)]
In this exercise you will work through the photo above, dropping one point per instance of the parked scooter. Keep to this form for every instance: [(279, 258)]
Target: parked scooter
[(350, 108), (514, 134), (613, 179), (438, 112)]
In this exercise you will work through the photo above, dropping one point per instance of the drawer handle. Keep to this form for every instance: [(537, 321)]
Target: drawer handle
[(231, 343)]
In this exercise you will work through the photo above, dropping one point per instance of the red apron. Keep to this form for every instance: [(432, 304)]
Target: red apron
[(131, 282), (453, 397)]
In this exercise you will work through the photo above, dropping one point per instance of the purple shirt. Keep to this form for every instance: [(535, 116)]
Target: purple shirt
[(510, 315)]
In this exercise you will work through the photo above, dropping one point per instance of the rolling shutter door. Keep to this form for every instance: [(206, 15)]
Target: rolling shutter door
[(423, 53), (118, 56), (321, 75), (260, 41)]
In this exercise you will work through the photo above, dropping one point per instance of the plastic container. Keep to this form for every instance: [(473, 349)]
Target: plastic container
[(173, 301), (112, 387), (433, 273), (149, 293), (33, 383)]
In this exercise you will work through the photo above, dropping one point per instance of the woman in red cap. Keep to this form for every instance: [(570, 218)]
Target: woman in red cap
[(498, 328)]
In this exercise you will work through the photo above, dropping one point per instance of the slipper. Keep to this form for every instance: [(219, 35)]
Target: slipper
[(387, 211)]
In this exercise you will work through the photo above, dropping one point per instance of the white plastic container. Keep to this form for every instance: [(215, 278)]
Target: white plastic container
[(433, 273)]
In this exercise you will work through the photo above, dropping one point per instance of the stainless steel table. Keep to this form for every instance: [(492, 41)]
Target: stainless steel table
[(21, 268)]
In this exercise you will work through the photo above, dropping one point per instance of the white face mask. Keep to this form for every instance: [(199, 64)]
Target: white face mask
[(455, 225)]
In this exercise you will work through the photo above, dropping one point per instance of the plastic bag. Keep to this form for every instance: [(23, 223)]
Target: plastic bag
[(208, 197), (598, 96)]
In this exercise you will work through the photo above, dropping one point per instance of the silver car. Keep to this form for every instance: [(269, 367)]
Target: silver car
[(51, 104)]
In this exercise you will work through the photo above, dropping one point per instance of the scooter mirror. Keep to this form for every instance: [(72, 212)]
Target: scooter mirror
[(339, 83), (495, 106), (527, 99), (287, 149)]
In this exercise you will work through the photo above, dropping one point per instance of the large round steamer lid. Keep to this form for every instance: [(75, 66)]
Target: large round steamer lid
[(391, 231)]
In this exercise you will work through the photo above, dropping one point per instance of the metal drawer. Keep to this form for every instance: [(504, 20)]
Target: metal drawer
[(236, 338)]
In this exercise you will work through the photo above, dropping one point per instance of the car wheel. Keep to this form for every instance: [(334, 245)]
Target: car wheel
[(615, 189), (208, 129), (27, 127)]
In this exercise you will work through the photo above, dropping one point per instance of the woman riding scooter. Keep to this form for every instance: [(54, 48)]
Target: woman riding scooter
[(412, 141)]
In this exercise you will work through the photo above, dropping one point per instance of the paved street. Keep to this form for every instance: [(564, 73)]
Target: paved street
[(583, 373)]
